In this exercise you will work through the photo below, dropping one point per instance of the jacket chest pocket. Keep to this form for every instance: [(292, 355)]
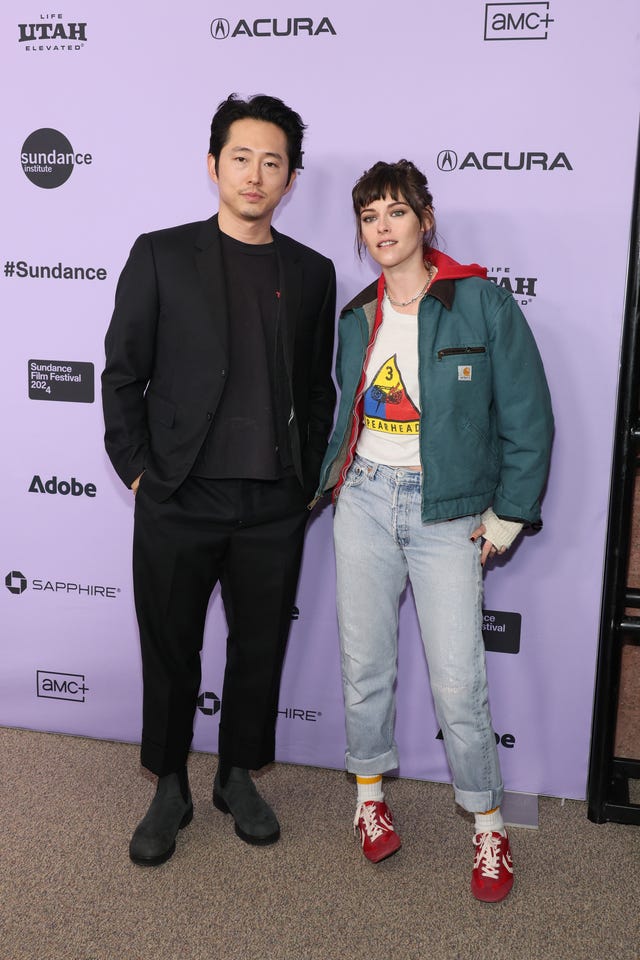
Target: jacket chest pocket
[(461, 353), (463, 373)]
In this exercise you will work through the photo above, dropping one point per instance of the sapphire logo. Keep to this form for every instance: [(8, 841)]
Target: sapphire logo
[(529, 160), (517, 21), (220, 29), (15, 582), (48, 158), (208, 703), (271, 27), (299, 713), (61, 686)]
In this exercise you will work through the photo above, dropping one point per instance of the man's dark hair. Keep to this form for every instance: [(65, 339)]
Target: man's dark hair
[(258, 107), (401, 181)]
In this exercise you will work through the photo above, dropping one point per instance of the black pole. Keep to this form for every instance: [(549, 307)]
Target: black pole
[(601, 775)]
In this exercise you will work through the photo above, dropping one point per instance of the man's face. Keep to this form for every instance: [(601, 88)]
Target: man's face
[(253, 172)]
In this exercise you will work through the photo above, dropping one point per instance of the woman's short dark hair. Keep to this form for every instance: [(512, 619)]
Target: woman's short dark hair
[(401, 181), (258, 107)]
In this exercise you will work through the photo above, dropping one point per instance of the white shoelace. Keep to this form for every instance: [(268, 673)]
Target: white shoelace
[(374, 826), (488, 854)]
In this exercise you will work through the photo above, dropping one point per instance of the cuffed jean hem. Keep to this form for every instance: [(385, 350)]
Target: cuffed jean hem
[(371, 768), (381, 542), (479, 801)]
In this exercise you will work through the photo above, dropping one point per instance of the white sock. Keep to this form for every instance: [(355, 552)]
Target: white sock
[(491, 822), (369, 788)]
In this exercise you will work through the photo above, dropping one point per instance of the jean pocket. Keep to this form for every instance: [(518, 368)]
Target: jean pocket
[(355, 476)]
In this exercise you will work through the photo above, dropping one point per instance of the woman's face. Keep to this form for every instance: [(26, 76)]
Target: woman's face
[(392, 233)]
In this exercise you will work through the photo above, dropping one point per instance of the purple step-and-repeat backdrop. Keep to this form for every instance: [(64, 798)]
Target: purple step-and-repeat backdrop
[(523, 115)]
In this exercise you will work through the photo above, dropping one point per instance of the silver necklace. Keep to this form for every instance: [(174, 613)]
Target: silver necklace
[(406, 303)]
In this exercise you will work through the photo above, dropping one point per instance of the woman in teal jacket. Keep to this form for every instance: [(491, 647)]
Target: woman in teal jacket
[(438, 459)]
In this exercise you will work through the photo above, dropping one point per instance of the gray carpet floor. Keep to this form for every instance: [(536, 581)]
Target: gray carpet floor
[(69, 892)]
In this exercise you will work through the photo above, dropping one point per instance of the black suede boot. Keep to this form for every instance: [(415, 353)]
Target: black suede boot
[(255, 821), (154, 839)]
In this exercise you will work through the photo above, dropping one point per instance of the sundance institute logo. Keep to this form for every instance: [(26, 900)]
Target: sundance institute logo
[(48, 158)]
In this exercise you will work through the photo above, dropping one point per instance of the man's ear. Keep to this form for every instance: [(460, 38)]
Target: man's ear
[(211, 164), (291, 181)]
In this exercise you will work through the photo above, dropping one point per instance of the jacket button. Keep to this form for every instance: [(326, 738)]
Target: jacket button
[(223, 373), (209, 416)]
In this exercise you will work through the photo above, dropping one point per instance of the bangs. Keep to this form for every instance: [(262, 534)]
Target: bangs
[(377, 185)]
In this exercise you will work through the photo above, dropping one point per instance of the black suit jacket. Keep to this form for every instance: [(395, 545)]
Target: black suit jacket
[(167, 355)]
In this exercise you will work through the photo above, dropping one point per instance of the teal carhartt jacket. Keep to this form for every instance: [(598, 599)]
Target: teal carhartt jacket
[(486, 423)]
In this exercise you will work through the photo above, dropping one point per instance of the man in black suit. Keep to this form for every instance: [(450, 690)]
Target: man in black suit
[(218, 401)]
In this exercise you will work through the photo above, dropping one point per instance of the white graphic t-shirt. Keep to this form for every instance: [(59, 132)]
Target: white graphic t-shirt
[(391, 432)]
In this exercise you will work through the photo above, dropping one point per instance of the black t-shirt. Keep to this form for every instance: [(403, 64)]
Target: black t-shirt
[(243, 439)]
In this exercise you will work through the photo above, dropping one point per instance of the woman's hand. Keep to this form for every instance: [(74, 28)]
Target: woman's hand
[(488, 549)]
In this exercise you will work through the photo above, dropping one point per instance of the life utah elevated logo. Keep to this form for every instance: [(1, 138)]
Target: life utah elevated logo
[(222, 28), (52, 33)]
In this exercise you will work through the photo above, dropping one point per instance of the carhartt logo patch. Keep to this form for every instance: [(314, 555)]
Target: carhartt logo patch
[(464, 373)]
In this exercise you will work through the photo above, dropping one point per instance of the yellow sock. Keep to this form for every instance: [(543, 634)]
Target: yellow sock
[(369, 788)]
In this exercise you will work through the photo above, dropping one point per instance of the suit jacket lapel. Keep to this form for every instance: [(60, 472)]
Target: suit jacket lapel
[(210, 270)]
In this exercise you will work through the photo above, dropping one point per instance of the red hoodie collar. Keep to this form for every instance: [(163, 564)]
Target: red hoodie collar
[(442, 288), (449, 269)]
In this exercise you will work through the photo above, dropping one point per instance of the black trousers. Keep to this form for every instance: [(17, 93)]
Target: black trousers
[(248, 535)]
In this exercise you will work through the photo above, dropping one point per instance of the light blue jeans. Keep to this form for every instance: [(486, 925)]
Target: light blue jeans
[(381, 541)]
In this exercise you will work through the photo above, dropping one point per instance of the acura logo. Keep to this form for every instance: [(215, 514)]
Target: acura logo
[(530, 160), (220, 29), (447, 160), (272, 27)]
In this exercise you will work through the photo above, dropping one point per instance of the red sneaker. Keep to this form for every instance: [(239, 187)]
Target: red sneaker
[(492, 876), (374, 822)]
